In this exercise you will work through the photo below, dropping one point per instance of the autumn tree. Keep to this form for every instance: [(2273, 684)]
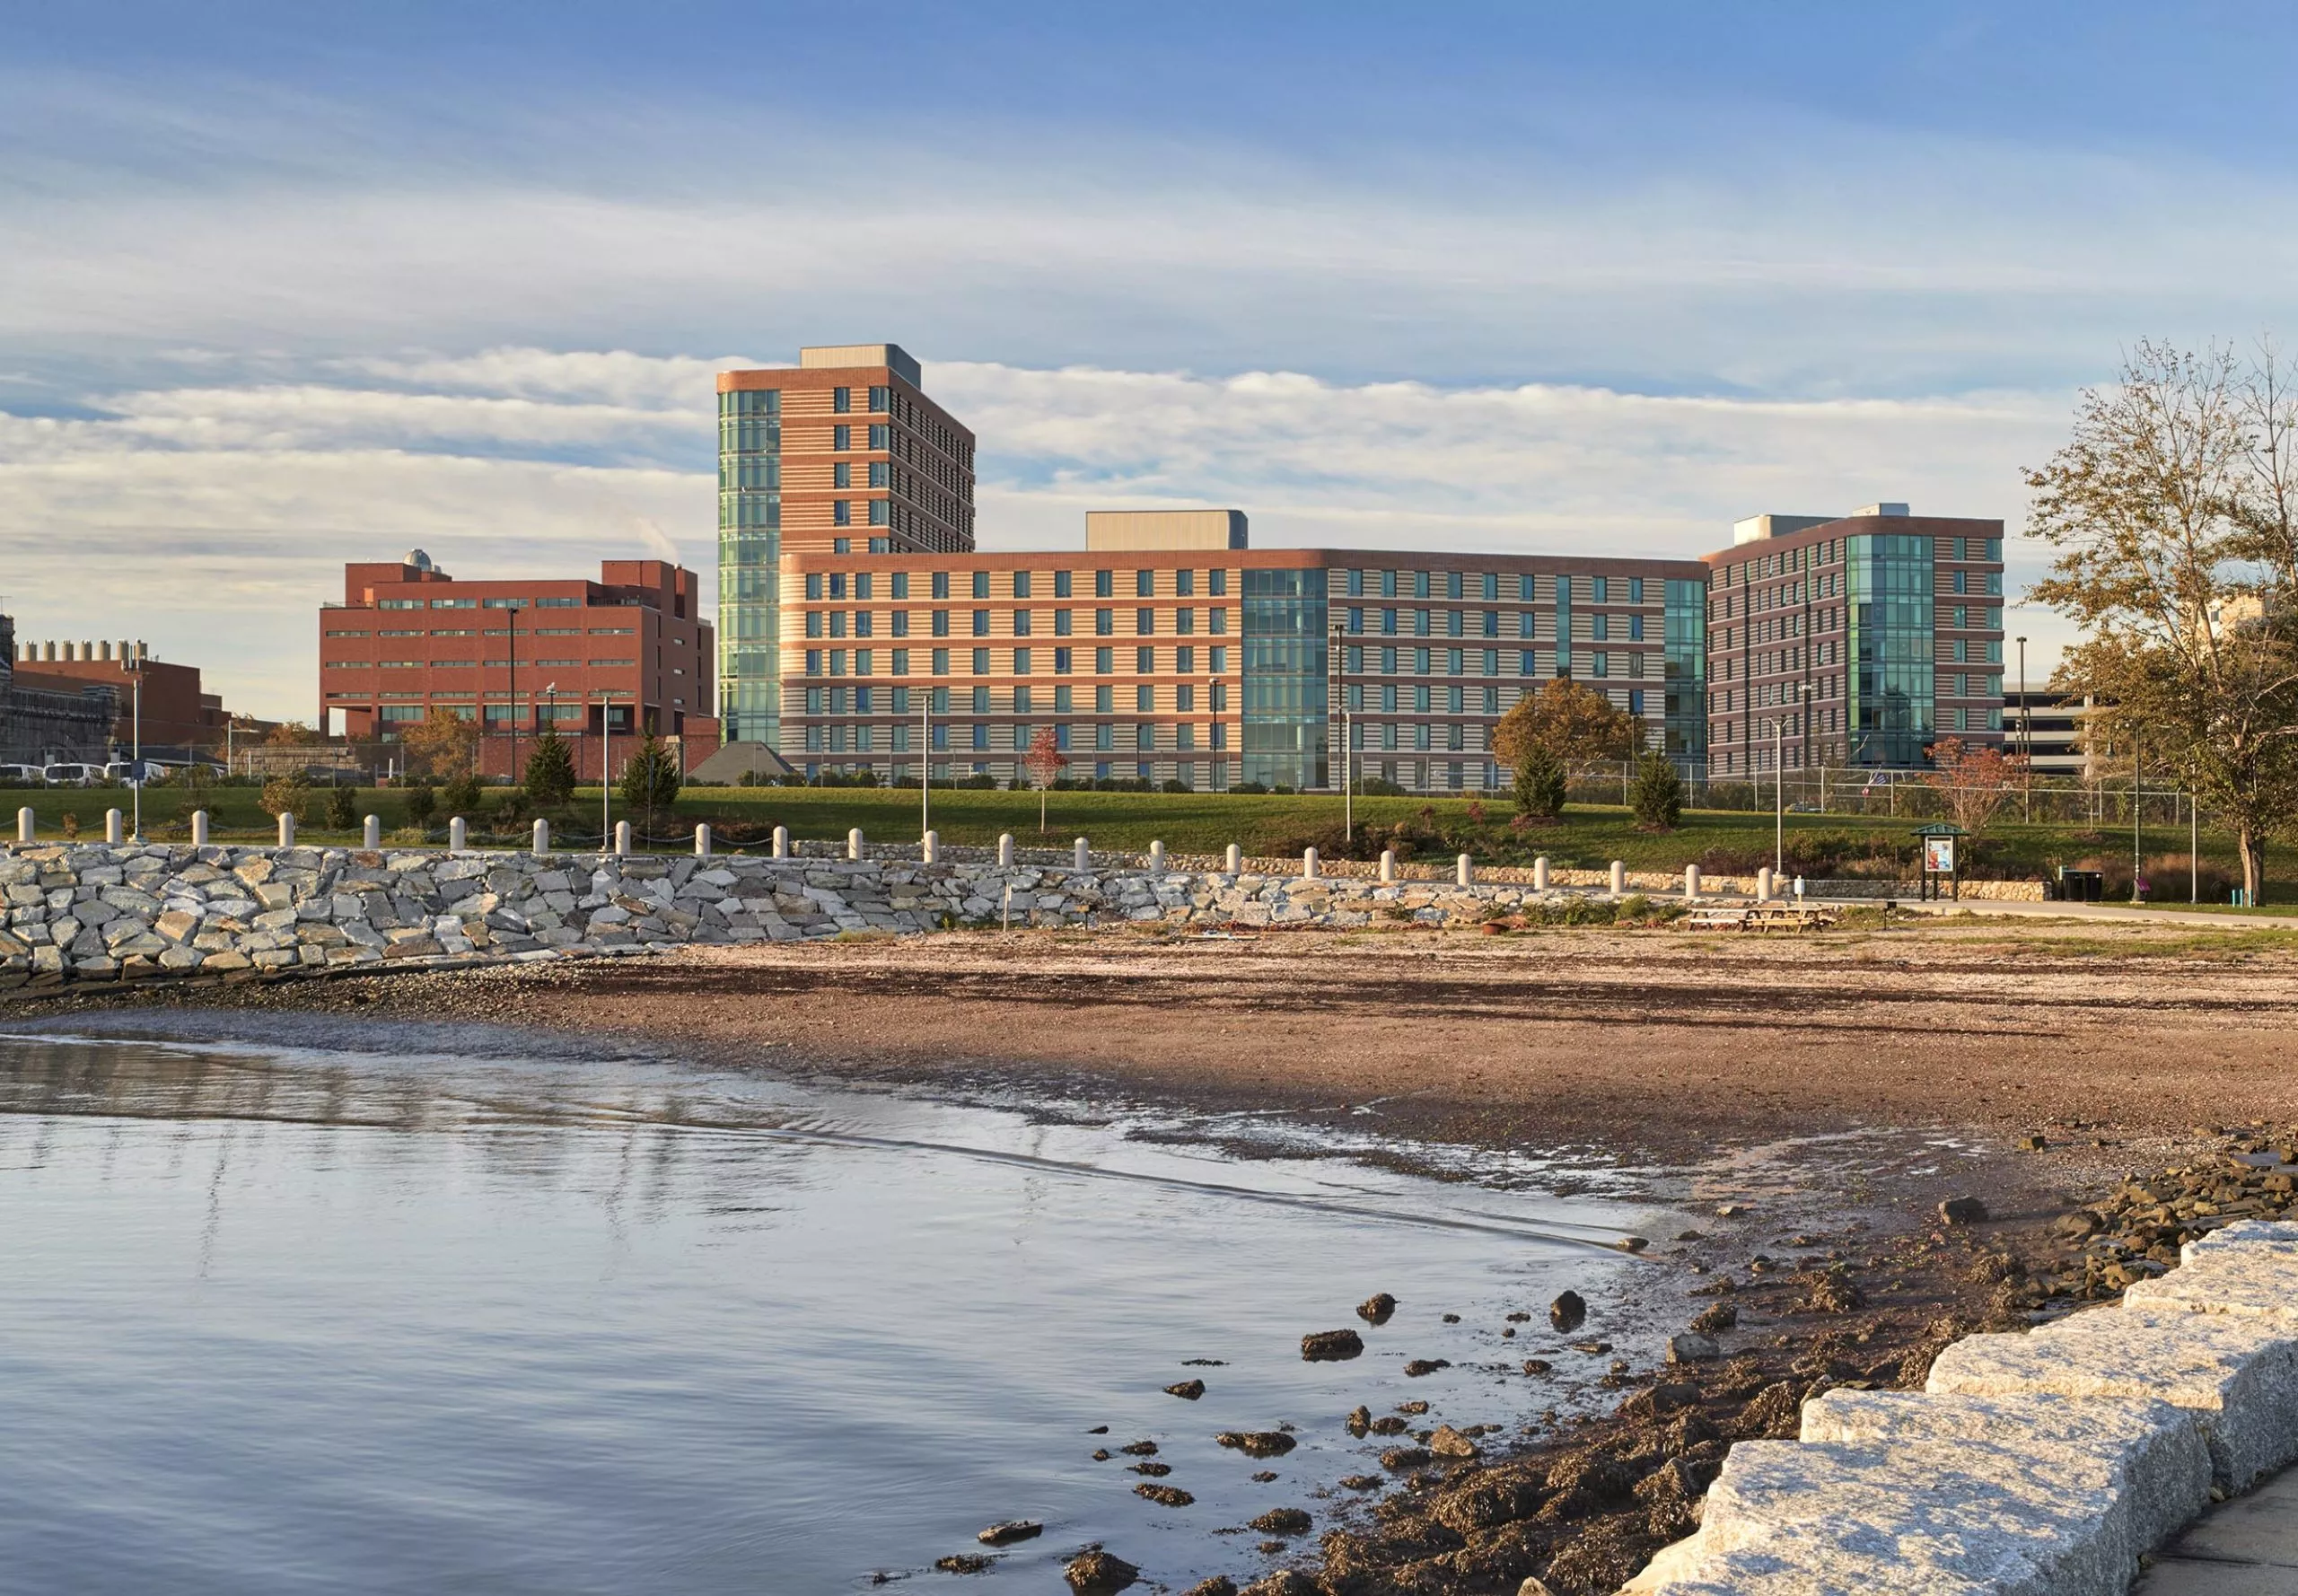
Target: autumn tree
[(1045, 762), (1972, 779), (441, 745), (293, 734), (1545, 732), (2174, 511)]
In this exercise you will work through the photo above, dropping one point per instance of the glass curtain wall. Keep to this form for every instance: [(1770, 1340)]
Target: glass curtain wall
[(749, 554), (1284, 677), (1889, 583), (1684, 627)]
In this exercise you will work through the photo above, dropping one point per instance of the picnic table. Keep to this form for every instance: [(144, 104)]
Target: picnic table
[(1761, 917)]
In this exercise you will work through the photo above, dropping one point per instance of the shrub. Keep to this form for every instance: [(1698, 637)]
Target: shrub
[(285, 794), (422, 803), (1659, 793), (550, 772), (1259, 787), (1539, 783), (1379, 786), (459, 796), (342, 808), (1176, 786)]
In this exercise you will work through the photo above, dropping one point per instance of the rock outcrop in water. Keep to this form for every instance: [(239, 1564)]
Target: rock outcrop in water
[(1320, 1346), (1097, 1572)]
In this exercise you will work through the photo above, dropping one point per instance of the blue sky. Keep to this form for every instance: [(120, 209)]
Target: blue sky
[(285, 285)]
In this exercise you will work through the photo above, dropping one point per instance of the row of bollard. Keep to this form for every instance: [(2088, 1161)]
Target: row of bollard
[(930, 850)]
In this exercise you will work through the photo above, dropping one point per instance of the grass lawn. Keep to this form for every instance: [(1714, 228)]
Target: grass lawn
[(1589, 837)]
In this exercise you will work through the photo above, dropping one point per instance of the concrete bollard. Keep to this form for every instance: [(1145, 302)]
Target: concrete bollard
[(929, 851), (458, 834), (371, 832), (200, 827), (622, 838), (1539, 874), (1234, 862), (287, 828), (1763, 884), (114, 833), (1156, 858), (701, 840), (782, 842), (1308, 865), (27, 825), (1691, 883), (855, 846), (542, 837), (1388, 864), (1620, 879), (1463, 872), (1084, 855), (1004, 850)]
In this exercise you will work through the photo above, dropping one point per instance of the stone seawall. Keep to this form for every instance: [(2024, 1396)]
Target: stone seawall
[(2046, 1463), (106, 912)]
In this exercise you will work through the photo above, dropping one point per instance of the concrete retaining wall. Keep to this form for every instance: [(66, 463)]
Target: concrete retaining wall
[(101, 912), (2039, 1464)]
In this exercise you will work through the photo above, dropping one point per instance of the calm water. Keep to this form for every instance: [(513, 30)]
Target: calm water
[(288, 1318)]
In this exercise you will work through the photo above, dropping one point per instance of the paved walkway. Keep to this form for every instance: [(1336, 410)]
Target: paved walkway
[(2086, 911), (2248, 1546)]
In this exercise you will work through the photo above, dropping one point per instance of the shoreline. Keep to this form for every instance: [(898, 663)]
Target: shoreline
[(1875, 1074)]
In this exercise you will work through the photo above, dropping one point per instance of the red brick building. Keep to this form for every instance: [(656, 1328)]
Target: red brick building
[(623, 655)]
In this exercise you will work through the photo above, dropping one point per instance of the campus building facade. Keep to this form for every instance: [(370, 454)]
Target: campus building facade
[(1857, 640), (842, 452), (1215, 664), (626, 655)]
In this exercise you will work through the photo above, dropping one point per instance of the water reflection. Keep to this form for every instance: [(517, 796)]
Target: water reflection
[(284, 1318)]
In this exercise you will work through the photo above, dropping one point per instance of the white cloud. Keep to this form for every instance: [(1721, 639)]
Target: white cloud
[(213, 519)]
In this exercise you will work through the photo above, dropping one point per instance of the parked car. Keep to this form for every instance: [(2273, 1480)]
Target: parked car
[(127, 770), (68, 774), (21, 774)]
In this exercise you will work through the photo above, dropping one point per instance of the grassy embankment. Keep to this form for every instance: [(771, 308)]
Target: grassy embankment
[(1589, 836)]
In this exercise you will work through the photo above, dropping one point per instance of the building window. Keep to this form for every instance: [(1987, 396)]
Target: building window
[(1021, 662), (1144, 584), (981, 661), (841, 474), (841, 401), (1061, 661), (881, 513), (1061, 584), (1104, 660), (1061, 622), (940, 623), (1216, 583), (1020, 623), (841, 437), (940, 585), (1104, 623), (1145, 662), (1104, 583), (981, 623), (1144, 623), (841, 512)]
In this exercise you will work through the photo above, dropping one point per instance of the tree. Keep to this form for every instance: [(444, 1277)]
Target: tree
[(284, 792), (422, 803), (293, 734), (1972, 779), (1544, 731), (651, 780), (1571, 721), (440, 745), (2174, 511), (342, 808), (1540, 782), (1659, 793), (550, 771), (459, 796), (1044, 764)]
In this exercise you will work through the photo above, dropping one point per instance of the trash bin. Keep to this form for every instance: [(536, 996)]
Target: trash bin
[(2082, 886)]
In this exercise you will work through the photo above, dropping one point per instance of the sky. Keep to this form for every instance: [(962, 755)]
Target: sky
[(282, 287)]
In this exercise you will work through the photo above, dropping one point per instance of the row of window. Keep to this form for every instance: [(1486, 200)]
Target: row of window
[(1021, 700), (1488, 585), (1022, 585), (476, 664), (835, 623), (1830, 551), (1020, 737), (1488, 623), (1418, 662), (505, 603), (506, 632)]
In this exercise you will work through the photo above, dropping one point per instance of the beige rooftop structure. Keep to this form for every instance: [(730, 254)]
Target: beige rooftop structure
[(1115, 530), (841, 357)]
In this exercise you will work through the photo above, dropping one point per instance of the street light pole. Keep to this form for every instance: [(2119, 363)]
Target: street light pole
[(606, 772), (139, 767), (925, 763), (1778, 796), (1347, 735), (2136, 789)]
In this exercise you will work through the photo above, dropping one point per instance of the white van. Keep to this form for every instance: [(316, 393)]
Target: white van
[(125, 770), (27, 775), (70, 776)]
